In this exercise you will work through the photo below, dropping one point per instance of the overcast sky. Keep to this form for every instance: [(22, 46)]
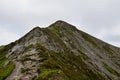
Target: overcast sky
[(100, 18)]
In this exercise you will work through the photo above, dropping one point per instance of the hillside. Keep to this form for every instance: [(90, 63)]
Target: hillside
[(59, 52)]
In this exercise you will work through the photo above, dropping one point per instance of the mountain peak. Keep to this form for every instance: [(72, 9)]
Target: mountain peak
[(58, 52), (62, 25), (60, 21), (36, 28)]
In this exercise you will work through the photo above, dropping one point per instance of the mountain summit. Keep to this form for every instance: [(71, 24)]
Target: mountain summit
[(62, 25), (59, 52)]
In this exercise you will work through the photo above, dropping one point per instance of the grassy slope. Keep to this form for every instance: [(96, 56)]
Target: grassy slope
[(5, 70), (64, 66)]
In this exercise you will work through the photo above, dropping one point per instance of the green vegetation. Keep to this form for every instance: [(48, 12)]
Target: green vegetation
[(61, 32), (3, 52), (1, 47), (83, 55), (74, 67), (51, 74), (46, 73), (57, 32), (6, 70), (65, 66), (29, 47), (107, 49), (53, 37), (88, 38), (50, 70), (110, 69), (2, 61)]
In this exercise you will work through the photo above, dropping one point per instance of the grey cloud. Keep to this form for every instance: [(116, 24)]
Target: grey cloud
[(113, 38), (97, 17)]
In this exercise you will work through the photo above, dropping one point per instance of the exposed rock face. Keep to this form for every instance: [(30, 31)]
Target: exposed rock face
[(62, 52)]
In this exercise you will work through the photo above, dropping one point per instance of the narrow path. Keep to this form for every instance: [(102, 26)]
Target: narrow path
[(15, 72)]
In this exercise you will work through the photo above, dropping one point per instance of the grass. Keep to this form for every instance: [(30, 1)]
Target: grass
[(1, 47), (29, 47), (57, 32), (54, 74), (107, 49), (89, 39), (83, 55), (48, 73), (110, 69), (5, 71), (66, 66), (2, 61), (53, 36), (50, 70), (81, 70), (3, 52)]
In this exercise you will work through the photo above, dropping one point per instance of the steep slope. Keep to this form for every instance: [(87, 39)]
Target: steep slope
[(59, 52)]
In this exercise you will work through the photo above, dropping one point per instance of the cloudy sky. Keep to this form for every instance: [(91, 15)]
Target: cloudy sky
[(100, 18)]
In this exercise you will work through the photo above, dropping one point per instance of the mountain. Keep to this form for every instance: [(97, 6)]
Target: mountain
[(59, 52)]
